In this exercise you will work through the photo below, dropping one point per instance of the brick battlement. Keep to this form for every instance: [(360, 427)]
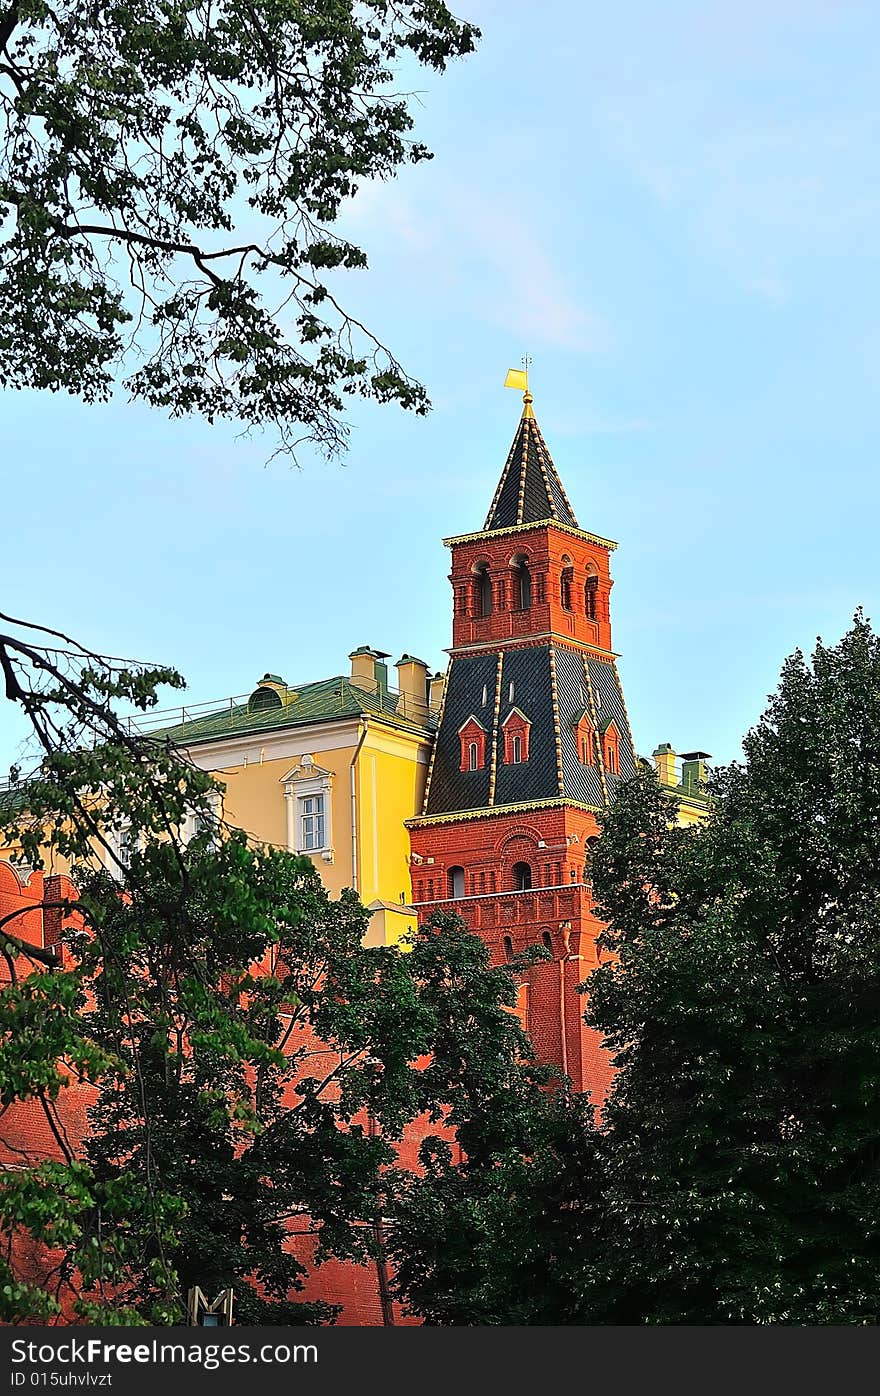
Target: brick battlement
[(543, 907)]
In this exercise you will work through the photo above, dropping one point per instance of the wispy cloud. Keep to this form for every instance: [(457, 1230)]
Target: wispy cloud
[(761, 184), (497, 259)]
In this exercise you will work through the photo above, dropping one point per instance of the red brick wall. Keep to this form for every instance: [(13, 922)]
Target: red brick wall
[(556, 913), (548, 551), (27, 1138)]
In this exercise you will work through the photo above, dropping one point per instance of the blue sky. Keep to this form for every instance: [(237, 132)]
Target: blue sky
[(674, 209)]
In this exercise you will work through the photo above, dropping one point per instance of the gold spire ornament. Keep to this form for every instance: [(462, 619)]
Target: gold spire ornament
[(519, 378)]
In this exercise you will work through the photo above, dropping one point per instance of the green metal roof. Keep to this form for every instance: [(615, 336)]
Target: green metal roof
[(322, 701), (12, 797)]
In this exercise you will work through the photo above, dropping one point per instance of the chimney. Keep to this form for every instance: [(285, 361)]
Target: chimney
[(368, 671), (435, 691), (412, 683), (664, 760), (694, 773)]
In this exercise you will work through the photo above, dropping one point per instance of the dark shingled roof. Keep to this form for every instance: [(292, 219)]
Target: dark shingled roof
[(528, 670), (451, 787), (582, 783), (609, 708), (583, 684), (529, 490)]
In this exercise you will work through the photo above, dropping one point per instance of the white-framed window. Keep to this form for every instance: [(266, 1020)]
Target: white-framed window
[(311, 818), (516, 750), (121, 844), (307, 793), (473, 756), (203, 822)]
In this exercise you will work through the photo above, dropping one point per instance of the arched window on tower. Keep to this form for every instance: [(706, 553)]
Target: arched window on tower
[(483, 589), (522, 877), (590, 589), (566, 582), (547, 941), (455, 882), (589, 850), (522, 584), (508, 948)]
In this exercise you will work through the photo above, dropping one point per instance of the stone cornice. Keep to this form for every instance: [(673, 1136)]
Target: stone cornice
[(530, 528), (524, 641), (460, 816)]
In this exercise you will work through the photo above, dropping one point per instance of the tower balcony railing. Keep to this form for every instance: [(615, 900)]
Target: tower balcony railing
[(542, 906)]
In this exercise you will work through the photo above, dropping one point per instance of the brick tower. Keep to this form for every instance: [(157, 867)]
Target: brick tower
[(533, 739)]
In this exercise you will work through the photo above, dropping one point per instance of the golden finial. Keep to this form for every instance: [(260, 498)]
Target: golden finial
[(519, 378)]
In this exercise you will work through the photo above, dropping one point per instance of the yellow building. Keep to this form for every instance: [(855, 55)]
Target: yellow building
[(687, 781), (331, 770)]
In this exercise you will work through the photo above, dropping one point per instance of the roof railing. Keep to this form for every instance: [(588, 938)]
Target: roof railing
[(231, 712)]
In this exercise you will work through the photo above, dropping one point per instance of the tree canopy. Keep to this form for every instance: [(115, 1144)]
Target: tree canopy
[(733, 1175), (169, 180), (742, 1134), (730, 1178), (250, 1065)]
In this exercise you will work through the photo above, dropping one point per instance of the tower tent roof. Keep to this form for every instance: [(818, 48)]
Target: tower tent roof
[(529, 490)]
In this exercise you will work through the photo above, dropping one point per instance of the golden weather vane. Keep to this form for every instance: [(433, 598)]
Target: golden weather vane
[(519, 378)]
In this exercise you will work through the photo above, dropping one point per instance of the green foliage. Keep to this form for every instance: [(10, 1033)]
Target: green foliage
[(511, 1233), (169, 179), (734, 1178), (500, 1224), (256, 1039), (253, 1066), (743, 1129)]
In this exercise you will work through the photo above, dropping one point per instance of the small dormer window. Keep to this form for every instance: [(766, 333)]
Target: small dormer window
[(472, 736), (516, 728), (270, 692), (263, 698), (585, 737), (611, 751)]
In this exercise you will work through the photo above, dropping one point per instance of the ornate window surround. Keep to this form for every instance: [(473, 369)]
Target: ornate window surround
[(305, 780)]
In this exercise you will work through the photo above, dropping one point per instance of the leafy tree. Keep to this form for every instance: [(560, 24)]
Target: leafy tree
[(264, 1074), (169, 180), (501, 1226), (512, 1233), (743, 1128), (251, 1066)]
